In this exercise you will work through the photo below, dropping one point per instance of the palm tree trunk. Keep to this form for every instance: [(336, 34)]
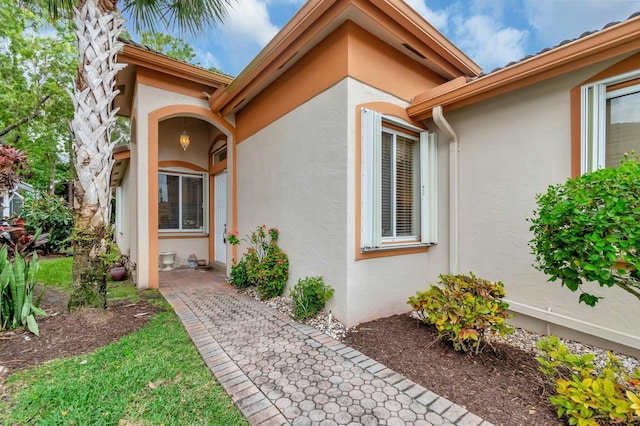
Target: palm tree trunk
[(98, 25)]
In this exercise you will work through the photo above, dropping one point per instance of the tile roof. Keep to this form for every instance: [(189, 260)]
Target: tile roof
[(562, 43)]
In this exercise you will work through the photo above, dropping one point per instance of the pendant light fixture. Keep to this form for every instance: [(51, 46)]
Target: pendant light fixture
[(185, 140)]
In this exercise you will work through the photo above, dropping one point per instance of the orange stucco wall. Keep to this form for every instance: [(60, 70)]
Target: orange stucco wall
[(348, 51)]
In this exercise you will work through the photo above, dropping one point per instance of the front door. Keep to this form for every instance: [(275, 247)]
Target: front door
[(220, 216)]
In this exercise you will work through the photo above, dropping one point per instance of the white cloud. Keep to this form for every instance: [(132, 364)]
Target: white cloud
[(438, 19), (478, 29), (555, 21), (249, 24), (206, 59), (488, 42)]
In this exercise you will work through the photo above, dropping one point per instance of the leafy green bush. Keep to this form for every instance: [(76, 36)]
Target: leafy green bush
[(267, 266), (588, 229), (464, 310), (310, 295), (238, 276), (585, 396), (269, 274), (51, 214), (17, 283)]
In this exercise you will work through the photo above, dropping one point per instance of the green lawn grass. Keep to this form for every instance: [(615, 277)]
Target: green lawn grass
[(153, 376), (57, 273)]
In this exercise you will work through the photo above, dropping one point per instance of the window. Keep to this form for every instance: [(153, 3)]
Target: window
[(181, 202), (220, 155), (398, 183), (610, 121), (16, 203)]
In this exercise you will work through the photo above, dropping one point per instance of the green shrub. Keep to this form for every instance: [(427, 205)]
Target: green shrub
[(17, 283), (464, 310), (587, 397), (271, 273), (51, 214), (310, 295), (238, 276), (588, 230), (266, 265)]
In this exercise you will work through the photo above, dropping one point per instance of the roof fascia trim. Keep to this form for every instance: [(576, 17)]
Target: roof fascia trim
[(312, 19), (605, 44), (147, 59), (302, 21), (421, 28)]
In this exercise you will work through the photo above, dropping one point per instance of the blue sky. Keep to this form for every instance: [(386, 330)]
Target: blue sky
[(491, 32)]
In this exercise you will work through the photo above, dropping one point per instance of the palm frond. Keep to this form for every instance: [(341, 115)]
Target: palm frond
[(185, 16)]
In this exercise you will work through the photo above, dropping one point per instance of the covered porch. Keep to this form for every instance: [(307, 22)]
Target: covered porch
[(172, 191)]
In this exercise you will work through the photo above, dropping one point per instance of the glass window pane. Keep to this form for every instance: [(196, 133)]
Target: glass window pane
[(405, 187), (15, 205), (192, 203), (168, 201), (387, 185), (623, 126)]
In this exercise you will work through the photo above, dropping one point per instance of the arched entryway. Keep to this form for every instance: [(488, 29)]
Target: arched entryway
[(182, 188)]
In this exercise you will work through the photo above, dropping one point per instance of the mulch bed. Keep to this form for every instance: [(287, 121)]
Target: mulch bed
[(64, 334), (503, 385)]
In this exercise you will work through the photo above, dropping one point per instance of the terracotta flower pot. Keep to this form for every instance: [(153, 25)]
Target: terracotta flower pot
[(118, 273)]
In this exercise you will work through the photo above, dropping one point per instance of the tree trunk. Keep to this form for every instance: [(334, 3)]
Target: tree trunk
[(52, 181), (98, 25), (89, 272)]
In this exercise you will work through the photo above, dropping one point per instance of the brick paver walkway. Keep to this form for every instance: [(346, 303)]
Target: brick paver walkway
[(280, 372)]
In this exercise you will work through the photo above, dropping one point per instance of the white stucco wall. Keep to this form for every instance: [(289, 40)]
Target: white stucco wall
[(151, 99), (511, 148), (132, 178), (123, 215), (293, 175), (184, 247), (299, 174), (199, 134), (380, 287)]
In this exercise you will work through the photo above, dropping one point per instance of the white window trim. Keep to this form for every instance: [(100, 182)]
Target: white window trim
[(12, 196), (394, 133), (205, 201), (593, 131), (371, 184)]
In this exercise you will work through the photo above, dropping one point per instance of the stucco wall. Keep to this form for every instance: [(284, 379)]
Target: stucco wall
[(380, 287), (511, 148), (199, 133), (152, 99), (123, 228), (293, 175), (183, 248), (299, 174)]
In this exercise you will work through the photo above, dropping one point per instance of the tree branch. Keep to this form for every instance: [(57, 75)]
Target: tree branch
[(628, 285), (28, 118)]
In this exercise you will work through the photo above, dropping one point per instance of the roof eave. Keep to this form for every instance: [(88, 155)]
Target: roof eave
[(608, 43), (301, 21), (420, 27), (145, 58), (311, 20)]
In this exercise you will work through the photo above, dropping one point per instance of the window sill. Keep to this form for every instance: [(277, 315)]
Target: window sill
[(165, 235), (392, 250), (394, 246)]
